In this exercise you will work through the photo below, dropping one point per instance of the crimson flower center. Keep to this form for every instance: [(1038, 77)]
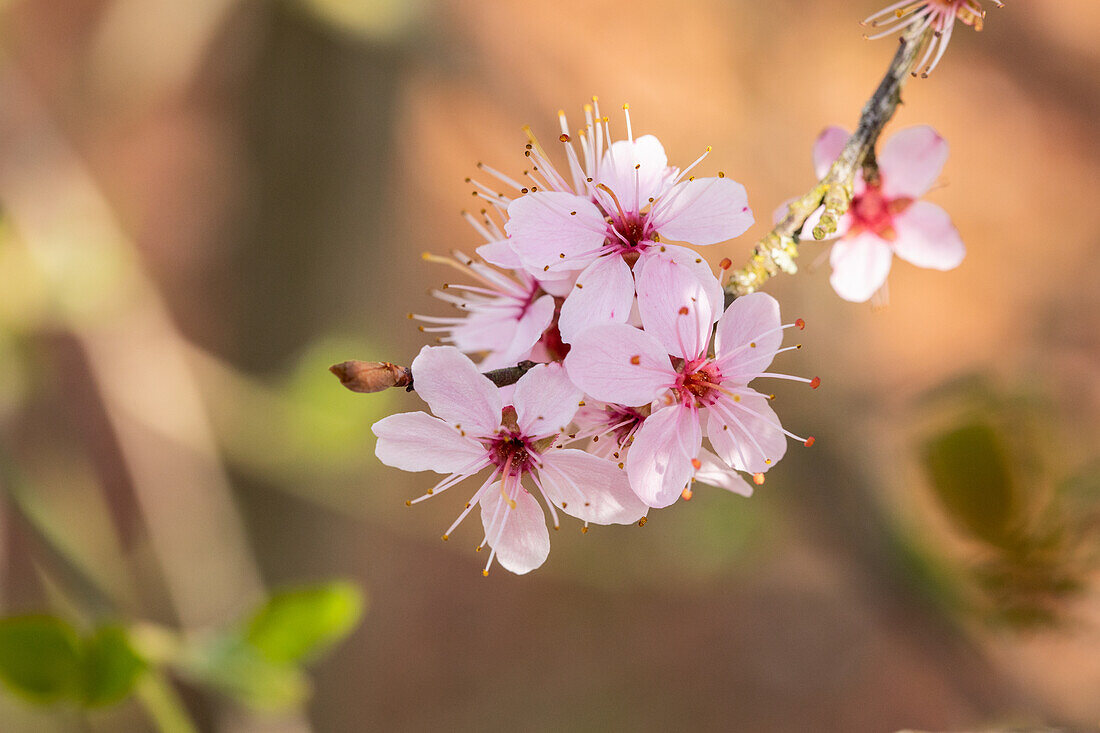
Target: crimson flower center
[(873, 212), (698, 383), (510, 451)]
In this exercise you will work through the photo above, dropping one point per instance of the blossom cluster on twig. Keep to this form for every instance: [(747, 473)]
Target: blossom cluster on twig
[(614, 369)]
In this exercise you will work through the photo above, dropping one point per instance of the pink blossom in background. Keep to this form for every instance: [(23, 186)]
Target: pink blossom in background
[(886, 218), (666, 366), (504, 316), (472, 430), (939, 15)]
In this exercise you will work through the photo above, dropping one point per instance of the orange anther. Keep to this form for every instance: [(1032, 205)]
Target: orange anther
[(758, 479)]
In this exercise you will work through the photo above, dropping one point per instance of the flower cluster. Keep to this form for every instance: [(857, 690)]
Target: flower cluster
[(587, 269)]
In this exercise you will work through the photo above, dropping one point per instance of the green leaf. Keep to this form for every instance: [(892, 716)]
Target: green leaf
[(110, 667), (301, 624), (972, 477), (39, 657), (237, 668)]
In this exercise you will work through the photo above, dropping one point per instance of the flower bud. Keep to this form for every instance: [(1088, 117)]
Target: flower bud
[(371, 376)]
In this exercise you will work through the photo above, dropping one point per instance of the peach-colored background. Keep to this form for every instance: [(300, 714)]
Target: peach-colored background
[(265, 175)]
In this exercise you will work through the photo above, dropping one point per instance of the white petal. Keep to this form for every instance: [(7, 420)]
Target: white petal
[(589, 488), (545, 401), (635, 171), (518, 534), (548, 236), (748, 335), (527, 331), (501, 254), (602, 363), (702, 211), (860, 266), (603, 294), (659, 461), (703, 272), (675, 307), (713, 472), (455, 390), (910, 161), (927, 238), (744, 440), (416, 441), (827, 147)]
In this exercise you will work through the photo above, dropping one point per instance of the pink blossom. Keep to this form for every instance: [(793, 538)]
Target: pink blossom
[(939, 15), (472, 431), (619, 204), (885, 217), (611, 429), (667, 367), (504, 317)]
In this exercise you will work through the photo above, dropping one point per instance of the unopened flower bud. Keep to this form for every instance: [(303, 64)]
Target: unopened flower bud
[(371, 376)]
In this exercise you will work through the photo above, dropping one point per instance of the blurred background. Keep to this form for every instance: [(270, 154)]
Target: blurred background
[(204, 204)]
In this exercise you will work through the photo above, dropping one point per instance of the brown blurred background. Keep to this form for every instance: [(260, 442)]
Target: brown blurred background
[(206, 203)]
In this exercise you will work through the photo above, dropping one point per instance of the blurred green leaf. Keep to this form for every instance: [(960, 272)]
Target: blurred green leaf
[(232, 665), (110, 667), (301, 624), (972, 477), (377, 19), (39, 657)]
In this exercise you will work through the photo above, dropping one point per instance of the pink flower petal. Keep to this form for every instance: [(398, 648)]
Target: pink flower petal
[(545, 401), (860, 266), (635, 171), (560, 285), (455, 390), (702, 211), (827, 147), (659, 461), (910, 161), (715, 473), (416, 441), (589, 488), (746, 434), (545, 233), (751, 319), (674, 306), (501, 254), (618, 363), (703, 273), (518, 535), (603, 294), (927, 238), (527, 331)]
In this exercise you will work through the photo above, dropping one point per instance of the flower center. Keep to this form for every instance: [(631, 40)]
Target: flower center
[(510, 451), (626, 420), (698, 383), (873, 212)]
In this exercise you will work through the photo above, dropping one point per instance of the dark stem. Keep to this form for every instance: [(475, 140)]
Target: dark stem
[(377, 376)]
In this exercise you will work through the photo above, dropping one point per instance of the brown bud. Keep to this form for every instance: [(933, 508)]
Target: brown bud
[(371, 376)]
